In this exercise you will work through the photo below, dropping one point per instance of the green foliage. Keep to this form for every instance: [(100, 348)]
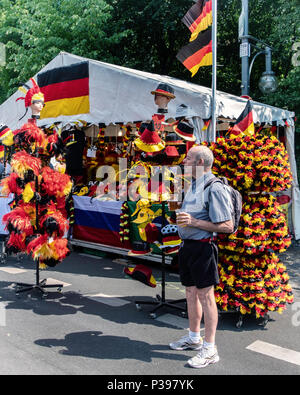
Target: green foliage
[(146, 35), (34, 32)]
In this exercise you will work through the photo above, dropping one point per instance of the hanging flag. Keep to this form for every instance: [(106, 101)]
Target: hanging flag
[(198, 17), (244, 124), (198, 53), (66, 90), (96, 221), (206, 123)]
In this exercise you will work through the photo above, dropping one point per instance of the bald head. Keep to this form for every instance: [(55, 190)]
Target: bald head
[(203, 154)]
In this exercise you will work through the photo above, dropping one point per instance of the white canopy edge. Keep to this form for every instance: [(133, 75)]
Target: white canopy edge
[(120, 94)]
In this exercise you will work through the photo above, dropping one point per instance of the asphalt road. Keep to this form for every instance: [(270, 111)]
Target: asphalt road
[(94, 328)]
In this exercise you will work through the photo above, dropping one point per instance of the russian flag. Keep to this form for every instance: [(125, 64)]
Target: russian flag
[(97, 221)]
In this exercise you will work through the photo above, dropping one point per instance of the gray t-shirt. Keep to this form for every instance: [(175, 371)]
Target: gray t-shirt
[(212, 204)]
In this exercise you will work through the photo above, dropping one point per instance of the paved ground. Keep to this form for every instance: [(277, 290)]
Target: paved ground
[(93, 326)]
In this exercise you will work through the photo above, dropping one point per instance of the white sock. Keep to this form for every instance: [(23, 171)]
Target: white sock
[(209, 346), (194, 336)]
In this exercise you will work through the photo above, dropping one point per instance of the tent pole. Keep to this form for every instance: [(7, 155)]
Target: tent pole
[(214, 69)]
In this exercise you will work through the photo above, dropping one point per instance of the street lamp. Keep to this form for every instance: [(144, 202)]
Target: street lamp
[(268, 82)]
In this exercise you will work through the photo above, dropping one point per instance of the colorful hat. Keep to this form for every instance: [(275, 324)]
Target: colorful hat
[(170, 239), (155, 191), (171, 151), (141, 273), (164, 90), (185, 130), (139, 248), (31, 94), (142, 128), (6, 135), (172, 139), (150, 141), (152, 232)]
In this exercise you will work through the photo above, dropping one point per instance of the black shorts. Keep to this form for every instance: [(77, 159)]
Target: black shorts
[(198, 264)]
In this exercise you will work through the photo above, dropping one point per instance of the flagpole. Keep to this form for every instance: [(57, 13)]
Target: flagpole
[(214, 69)]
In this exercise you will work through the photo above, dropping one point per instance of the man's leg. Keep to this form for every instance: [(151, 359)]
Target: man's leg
[(193, 340), (208, 354), (194, 308), (210, 311)]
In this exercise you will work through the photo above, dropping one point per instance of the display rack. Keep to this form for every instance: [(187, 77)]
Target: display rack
[(39, 285), (161, 299)]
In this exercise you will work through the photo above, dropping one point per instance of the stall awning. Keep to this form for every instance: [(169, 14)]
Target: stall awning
[(120, 94)]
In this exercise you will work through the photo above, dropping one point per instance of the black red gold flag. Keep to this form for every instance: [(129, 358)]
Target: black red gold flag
[(66, 90), (198, 53), (198, 17), (244, 124), (206, 123)]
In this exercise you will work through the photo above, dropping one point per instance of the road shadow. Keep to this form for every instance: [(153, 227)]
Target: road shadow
[(92, 266), (71, 303), (233, 322), (94, 344)]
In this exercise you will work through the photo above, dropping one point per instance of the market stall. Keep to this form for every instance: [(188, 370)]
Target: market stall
[(101, 98), (115, 144)]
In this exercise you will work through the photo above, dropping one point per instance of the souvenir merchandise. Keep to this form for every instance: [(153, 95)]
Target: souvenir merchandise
[(252, 278)]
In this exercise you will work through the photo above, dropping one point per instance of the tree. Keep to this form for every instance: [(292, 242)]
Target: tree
[(34, 32), (147, 35)]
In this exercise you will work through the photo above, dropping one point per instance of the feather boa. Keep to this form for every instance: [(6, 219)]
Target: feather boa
[(59, 223), (30, 137), (9, 185), (18, 221), (22, 162), (55, 184), (48, 249)]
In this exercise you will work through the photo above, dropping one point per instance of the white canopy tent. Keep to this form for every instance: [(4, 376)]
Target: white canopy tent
[(119, 94)]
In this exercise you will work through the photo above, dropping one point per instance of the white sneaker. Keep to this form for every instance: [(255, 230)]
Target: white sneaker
[(186, 343), (204, 358)]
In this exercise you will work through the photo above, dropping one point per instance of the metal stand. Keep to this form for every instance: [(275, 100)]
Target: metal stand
[(161, 300), (39, 285)]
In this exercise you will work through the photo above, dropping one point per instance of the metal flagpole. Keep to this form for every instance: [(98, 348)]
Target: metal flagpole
[(214, 69)]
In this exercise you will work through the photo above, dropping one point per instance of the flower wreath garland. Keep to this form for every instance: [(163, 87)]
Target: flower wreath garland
[(252, 278)]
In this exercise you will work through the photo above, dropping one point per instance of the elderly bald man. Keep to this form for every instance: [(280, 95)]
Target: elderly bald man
[(204, 211)]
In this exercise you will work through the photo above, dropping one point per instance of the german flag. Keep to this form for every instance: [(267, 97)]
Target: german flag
[(66, 90), (206, 123), (244, 124), (6, 135), (198, 18), (198, 53)]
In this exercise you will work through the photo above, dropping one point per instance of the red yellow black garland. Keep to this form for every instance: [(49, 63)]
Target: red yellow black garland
[(252, 278)]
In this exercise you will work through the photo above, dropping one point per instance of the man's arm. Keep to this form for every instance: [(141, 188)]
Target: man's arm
[(186, 219)]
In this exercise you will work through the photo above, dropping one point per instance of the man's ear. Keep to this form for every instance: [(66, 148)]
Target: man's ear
[(200, 162)]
